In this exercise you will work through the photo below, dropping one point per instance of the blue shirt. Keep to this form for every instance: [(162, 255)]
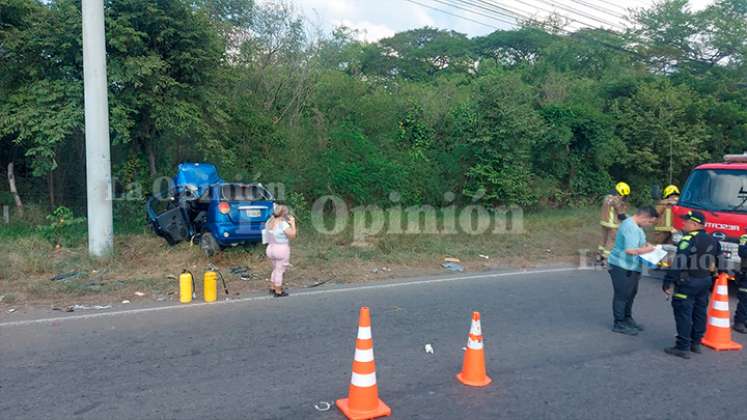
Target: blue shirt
[(629, 236)]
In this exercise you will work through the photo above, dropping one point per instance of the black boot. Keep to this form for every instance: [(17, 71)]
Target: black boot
[(634, 325), (739, 327), (695, 348), (674, 351), (622, 328)]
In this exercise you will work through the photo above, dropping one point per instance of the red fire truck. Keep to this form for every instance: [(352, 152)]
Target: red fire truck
[(719, 190)]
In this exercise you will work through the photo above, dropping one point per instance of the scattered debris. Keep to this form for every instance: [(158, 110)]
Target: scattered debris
[(464, 348), (452, 260), (322, 406), (94, 286), (139, 294), (242, 272), (125, 301), (484, 257), (66, 309), (317, 284), (66, 277), (160, 298), (86, 307), (452, 266), (11, 310), (2, 297), (171, 277), (549, 251), (382, 269), (429, 349)]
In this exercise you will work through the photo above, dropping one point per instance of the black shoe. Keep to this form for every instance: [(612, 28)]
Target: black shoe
[(740, 327), (624, 329), (695, 348), (674, 351), (630, 322), (281, 294)]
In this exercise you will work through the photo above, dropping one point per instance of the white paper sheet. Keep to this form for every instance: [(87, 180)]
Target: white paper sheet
[(655, 256)]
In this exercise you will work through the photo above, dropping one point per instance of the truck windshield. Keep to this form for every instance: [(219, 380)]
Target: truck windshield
[(716, 190)]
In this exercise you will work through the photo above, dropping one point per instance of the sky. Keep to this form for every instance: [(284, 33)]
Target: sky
[(376, 19)]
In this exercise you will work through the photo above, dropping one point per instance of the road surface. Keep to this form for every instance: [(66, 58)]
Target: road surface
[(549, 351)]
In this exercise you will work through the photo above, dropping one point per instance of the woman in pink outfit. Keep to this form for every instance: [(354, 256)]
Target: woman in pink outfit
[(280, 229)]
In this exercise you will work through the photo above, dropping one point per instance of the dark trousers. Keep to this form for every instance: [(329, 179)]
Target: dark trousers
[(741, 314), (625, 286), (690, 305)]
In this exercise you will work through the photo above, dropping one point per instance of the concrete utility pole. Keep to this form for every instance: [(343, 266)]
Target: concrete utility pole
[(98, 161)]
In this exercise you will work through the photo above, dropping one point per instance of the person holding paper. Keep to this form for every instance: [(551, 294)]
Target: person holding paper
[(625, 268)]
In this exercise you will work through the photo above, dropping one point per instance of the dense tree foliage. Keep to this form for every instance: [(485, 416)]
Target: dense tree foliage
[(532, 116)]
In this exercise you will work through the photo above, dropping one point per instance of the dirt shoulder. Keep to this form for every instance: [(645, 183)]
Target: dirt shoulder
[(145, 269)]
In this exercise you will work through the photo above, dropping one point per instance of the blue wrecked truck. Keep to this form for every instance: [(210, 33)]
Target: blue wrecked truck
[(201, 207)]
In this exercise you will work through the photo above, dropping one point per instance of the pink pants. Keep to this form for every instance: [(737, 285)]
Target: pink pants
[(279, 255)]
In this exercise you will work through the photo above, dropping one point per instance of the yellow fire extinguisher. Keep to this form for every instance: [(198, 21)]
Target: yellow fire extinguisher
[(186, 287), (210, 285)]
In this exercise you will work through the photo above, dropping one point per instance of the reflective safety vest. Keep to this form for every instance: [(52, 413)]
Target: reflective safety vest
[(664, 222), (612, 206)]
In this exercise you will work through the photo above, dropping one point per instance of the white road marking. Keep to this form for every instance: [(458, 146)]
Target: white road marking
[(295, 295)]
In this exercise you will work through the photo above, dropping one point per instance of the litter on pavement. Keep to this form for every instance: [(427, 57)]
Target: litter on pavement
[(429, 349), (317, 284), (86, 307), (322, 406), (452, 266)]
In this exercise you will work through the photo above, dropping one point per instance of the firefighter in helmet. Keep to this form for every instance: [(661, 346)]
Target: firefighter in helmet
[(664, 229), (614, 208)]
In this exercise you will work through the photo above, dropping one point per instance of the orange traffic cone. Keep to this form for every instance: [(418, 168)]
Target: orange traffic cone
[(718, 331), (473, 371), (363, 395)]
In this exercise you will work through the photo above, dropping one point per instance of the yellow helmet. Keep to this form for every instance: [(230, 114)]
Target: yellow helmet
[(671, 190), (622, 188)]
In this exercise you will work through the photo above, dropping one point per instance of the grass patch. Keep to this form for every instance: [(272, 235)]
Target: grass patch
[(145, 264)]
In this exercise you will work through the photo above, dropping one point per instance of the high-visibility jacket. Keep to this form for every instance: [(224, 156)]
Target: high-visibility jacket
[(664, 208), (613, 205)]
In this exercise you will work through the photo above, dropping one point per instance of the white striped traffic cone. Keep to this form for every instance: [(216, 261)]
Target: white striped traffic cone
[(473, 370), (718, 331), (363, 395)]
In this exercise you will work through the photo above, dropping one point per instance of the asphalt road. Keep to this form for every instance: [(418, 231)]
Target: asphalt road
[(549, 351)]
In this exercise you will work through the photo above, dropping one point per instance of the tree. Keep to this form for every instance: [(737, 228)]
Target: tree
[(503, 138), (662, 126)]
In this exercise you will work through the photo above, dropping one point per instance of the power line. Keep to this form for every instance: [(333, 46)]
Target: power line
[(581, 35), (444, 2), (452, 14), (609, 3), (497, 9), (579, 13), (551, 12), (598, 8)]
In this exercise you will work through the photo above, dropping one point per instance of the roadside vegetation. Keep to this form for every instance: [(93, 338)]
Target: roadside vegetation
[(145, 263), (538, 116)]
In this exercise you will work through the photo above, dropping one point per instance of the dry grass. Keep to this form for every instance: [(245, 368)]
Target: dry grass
[(144, 263)]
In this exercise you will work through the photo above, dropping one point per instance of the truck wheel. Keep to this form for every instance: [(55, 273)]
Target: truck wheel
[(208, 244)]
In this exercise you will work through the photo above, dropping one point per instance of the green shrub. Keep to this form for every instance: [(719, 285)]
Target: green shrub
[(63, 228)]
